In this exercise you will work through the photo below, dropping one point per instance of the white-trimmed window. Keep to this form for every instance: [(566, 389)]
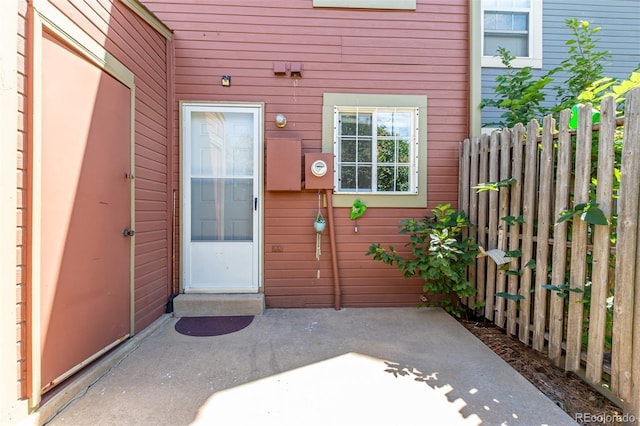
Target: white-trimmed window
[(515, 25), (376, 150), (379, 143)]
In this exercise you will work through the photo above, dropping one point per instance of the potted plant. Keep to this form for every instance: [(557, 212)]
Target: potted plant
[(319, 223)]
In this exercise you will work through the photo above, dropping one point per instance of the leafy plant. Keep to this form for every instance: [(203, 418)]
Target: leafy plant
[(440, 254), (518, 92), (596, 91), (585, 64), (588, 212)]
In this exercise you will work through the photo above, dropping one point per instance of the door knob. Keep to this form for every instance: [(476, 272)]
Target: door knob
[(128, 232)]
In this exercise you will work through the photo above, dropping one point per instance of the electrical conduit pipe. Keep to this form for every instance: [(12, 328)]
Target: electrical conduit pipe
[(337, 291)]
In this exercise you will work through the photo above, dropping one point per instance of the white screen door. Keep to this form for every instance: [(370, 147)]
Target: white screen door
[(222, 147)]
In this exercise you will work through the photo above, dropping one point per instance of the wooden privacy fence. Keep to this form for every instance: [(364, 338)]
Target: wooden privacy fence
[(569, 288)]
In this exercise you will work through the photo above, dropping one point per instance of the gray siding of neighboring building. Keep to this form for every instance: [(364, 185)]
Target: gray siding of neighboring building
[(620, 35)]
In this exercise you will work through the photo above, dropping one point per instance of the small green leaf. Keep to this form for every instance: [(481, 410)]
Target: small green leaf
[(509, 296), (552, 287), (567, 215), (594, 216)]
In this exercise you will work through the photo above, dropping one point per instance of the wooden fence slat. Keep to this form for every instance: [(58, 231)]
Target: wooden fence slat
[(559, 262), (503, 211), (579, 240), (625, 279), (483, 201), (492, 230), (601, 243), (463, 196), (464, 191), (492, 240), (517, 142), (528, 213), (473, 211), (632, 136), (542, 249)]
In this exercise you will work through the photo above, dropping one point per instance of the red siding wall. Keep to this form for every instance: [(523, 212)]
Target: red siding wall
[(144, 51), (421, 52)]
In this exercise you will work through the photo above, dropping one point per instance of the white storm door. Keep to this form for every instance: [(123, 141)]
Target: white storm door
[(222, 145)]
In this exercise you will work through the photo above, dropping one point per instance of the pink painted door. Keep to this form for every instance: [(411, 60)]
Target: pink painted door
[(85, 206)]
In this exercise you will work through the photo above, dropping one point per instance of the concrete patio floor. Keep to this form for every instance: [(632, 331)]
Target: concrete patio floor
[(373, 366)]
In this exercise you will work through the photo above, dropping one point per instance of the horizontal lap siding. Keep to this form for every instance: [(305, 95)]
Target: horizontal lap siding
[(143, 51), (422, 52)]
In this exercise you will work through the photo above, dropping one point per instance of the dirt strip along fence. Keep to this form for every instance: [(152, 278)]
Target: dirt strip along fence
[(570, 288)]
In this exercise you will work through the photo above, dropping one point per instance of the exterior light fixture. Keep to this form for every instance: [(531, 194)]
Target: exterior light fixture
[(281, 120), (226, 81)]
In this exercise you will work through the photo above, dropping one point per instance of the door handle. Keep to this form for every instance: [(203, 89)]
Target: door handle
[(128, 232), (255, 203)]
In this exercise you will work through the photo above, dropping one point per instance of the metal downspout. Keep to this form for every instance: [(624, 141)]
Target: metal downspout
[(337, 290)]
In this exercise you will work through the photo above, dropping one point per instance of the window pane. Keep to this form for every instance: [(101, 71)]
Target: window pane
[(386, 151), (506, 21), (385, 123), (402, 125), (489, 21), (386, 178), (348, 178), (364, 124), (364, 150), (347, 124), (404, 149), (402, 179), (516, 44), (364, 178), (348, 149), (520, 22)]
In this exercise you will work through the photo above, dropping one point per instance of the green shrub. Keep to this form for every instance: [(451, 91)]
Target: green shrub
[(440, 254)]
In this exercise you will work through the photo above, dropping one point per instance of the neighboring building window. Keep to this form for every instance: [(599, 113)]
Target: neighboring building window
[(515, 25), (379, 144), (376, 149)]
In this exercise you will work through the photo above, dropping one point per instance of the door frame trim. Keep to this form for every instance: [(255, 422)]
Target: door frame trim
[(259, 173), (47, 17)]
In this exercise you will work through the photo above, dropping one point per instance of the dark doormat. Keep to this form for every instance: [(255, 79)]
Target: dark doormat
[(212, 326)]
